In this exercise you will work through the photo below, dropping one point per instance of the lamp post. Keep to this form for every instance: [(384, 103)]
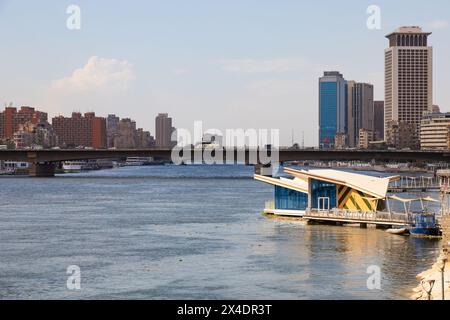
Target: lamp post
[(430, 284), (441, 264)]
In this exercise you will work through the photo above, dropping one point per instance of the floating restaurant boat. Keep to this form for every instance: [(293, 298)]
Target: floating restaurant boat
[(326, 189), (327, 195)]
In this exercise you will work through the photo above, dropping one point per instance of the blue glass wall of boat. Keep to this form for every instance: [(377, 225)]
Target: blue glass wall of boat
[(320, 190), (287, 199)]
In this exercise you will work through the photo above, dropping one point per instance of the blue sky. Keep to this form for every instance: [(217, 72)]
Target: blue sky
[(232, 64)]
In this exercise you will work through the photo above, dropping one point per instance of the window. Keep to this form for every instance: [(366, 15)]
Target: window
[(287, 199)]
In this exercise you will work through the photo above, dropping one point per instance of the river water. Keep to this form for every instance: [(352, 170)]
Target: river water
[(187, 232)]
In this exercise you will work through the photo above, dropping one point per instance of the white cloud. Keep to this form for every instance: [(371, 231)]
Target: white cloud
[(97, 74), (438, 24), (263, 66)]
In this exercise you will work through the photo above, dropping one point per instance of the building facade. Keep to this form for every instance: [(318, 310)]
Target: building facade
[(163, 131), (332, 108), (144, 139), (365, 138), (378, 120), (112, 129), (435, 131), (30, 135), (402, 135), (81, 131), (127, 135), (362, 107), (408, 78), (11, 119)]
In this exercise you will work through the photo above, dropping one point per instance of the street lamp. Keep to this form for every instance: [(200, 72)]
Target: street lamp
[(441, 265)]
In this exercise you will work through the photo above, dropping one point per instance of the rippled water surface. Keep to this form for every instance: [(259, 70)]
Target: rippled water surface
[(185, 233)]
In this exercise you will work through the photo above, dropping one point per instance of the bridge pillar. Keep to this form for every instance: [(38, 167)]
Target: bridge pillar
[(42, 170)]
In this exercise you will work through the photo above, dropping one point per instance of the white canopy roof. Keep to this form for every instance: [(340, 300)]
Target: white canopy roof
[(296, 184), (373, 186)]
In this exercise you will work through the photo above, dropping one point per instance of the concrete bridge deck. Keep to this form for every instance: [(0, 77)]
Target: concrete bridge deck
[(284, 154), (43, 161)]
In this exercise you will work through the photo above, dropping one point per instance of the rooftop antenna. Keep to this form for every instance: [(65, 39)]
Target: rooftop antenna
[(292, 137)]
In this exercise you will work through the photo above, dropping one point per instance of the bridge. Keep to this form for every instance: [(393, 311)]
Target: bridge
[(43, 161)]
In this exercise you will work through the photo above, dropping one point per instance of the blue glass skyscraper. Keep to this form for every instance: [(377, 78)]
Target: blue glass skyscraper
[(332, 108)]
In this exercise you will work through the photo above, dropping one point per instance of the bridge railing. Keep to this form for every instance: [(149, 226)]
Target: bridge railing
[(358, 215)]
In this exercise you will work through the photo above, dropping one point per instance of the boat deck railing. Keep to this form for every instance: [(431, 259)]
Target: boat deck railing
[(360, 216)]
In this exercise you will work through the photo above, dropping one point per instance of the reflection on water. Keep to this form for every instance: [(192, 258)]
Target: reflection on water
[(185, 232)]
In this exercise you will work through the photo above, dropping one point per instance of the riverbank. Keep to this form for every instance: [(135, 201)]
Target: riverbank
[(434, 274)]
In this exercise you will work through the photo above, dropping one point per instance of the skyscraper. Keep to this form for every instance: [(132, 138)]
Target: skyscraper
[(362, 99), (112, 129), (378, 120), (332, 108), (408, 78), (163, 131), (351, 133)]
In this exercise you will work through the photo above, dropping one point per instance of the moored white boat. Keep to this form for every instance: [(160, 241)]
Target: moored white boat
[(79, 165), (398, 231), (137, 161)]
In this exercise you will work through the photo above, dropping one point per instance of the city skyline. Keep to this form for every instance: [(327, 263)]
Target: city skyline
[(163, 59)]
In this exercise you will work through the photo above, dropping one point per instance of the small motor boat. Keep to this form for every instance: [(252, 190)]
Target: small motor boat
[(425, 226)]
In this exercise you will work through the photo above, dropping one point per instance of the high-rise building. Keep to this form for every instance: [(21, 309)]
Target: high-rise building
[(408, 78), (402, 135), (163, 131), (11, 119), (360, 104), (378, 120), (2, 124), (127, 135), (85, 131), (112, 129), (351, 141), (332, 108), (40, 135), (435, 131), (144, 139)]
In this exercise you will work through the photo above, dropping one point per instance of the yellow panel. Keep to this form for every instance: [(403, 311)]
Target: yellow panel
[(351, 199)]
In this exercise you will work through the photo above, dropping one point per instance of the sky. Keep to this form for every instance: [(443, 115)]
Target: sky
[(231, 64)]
